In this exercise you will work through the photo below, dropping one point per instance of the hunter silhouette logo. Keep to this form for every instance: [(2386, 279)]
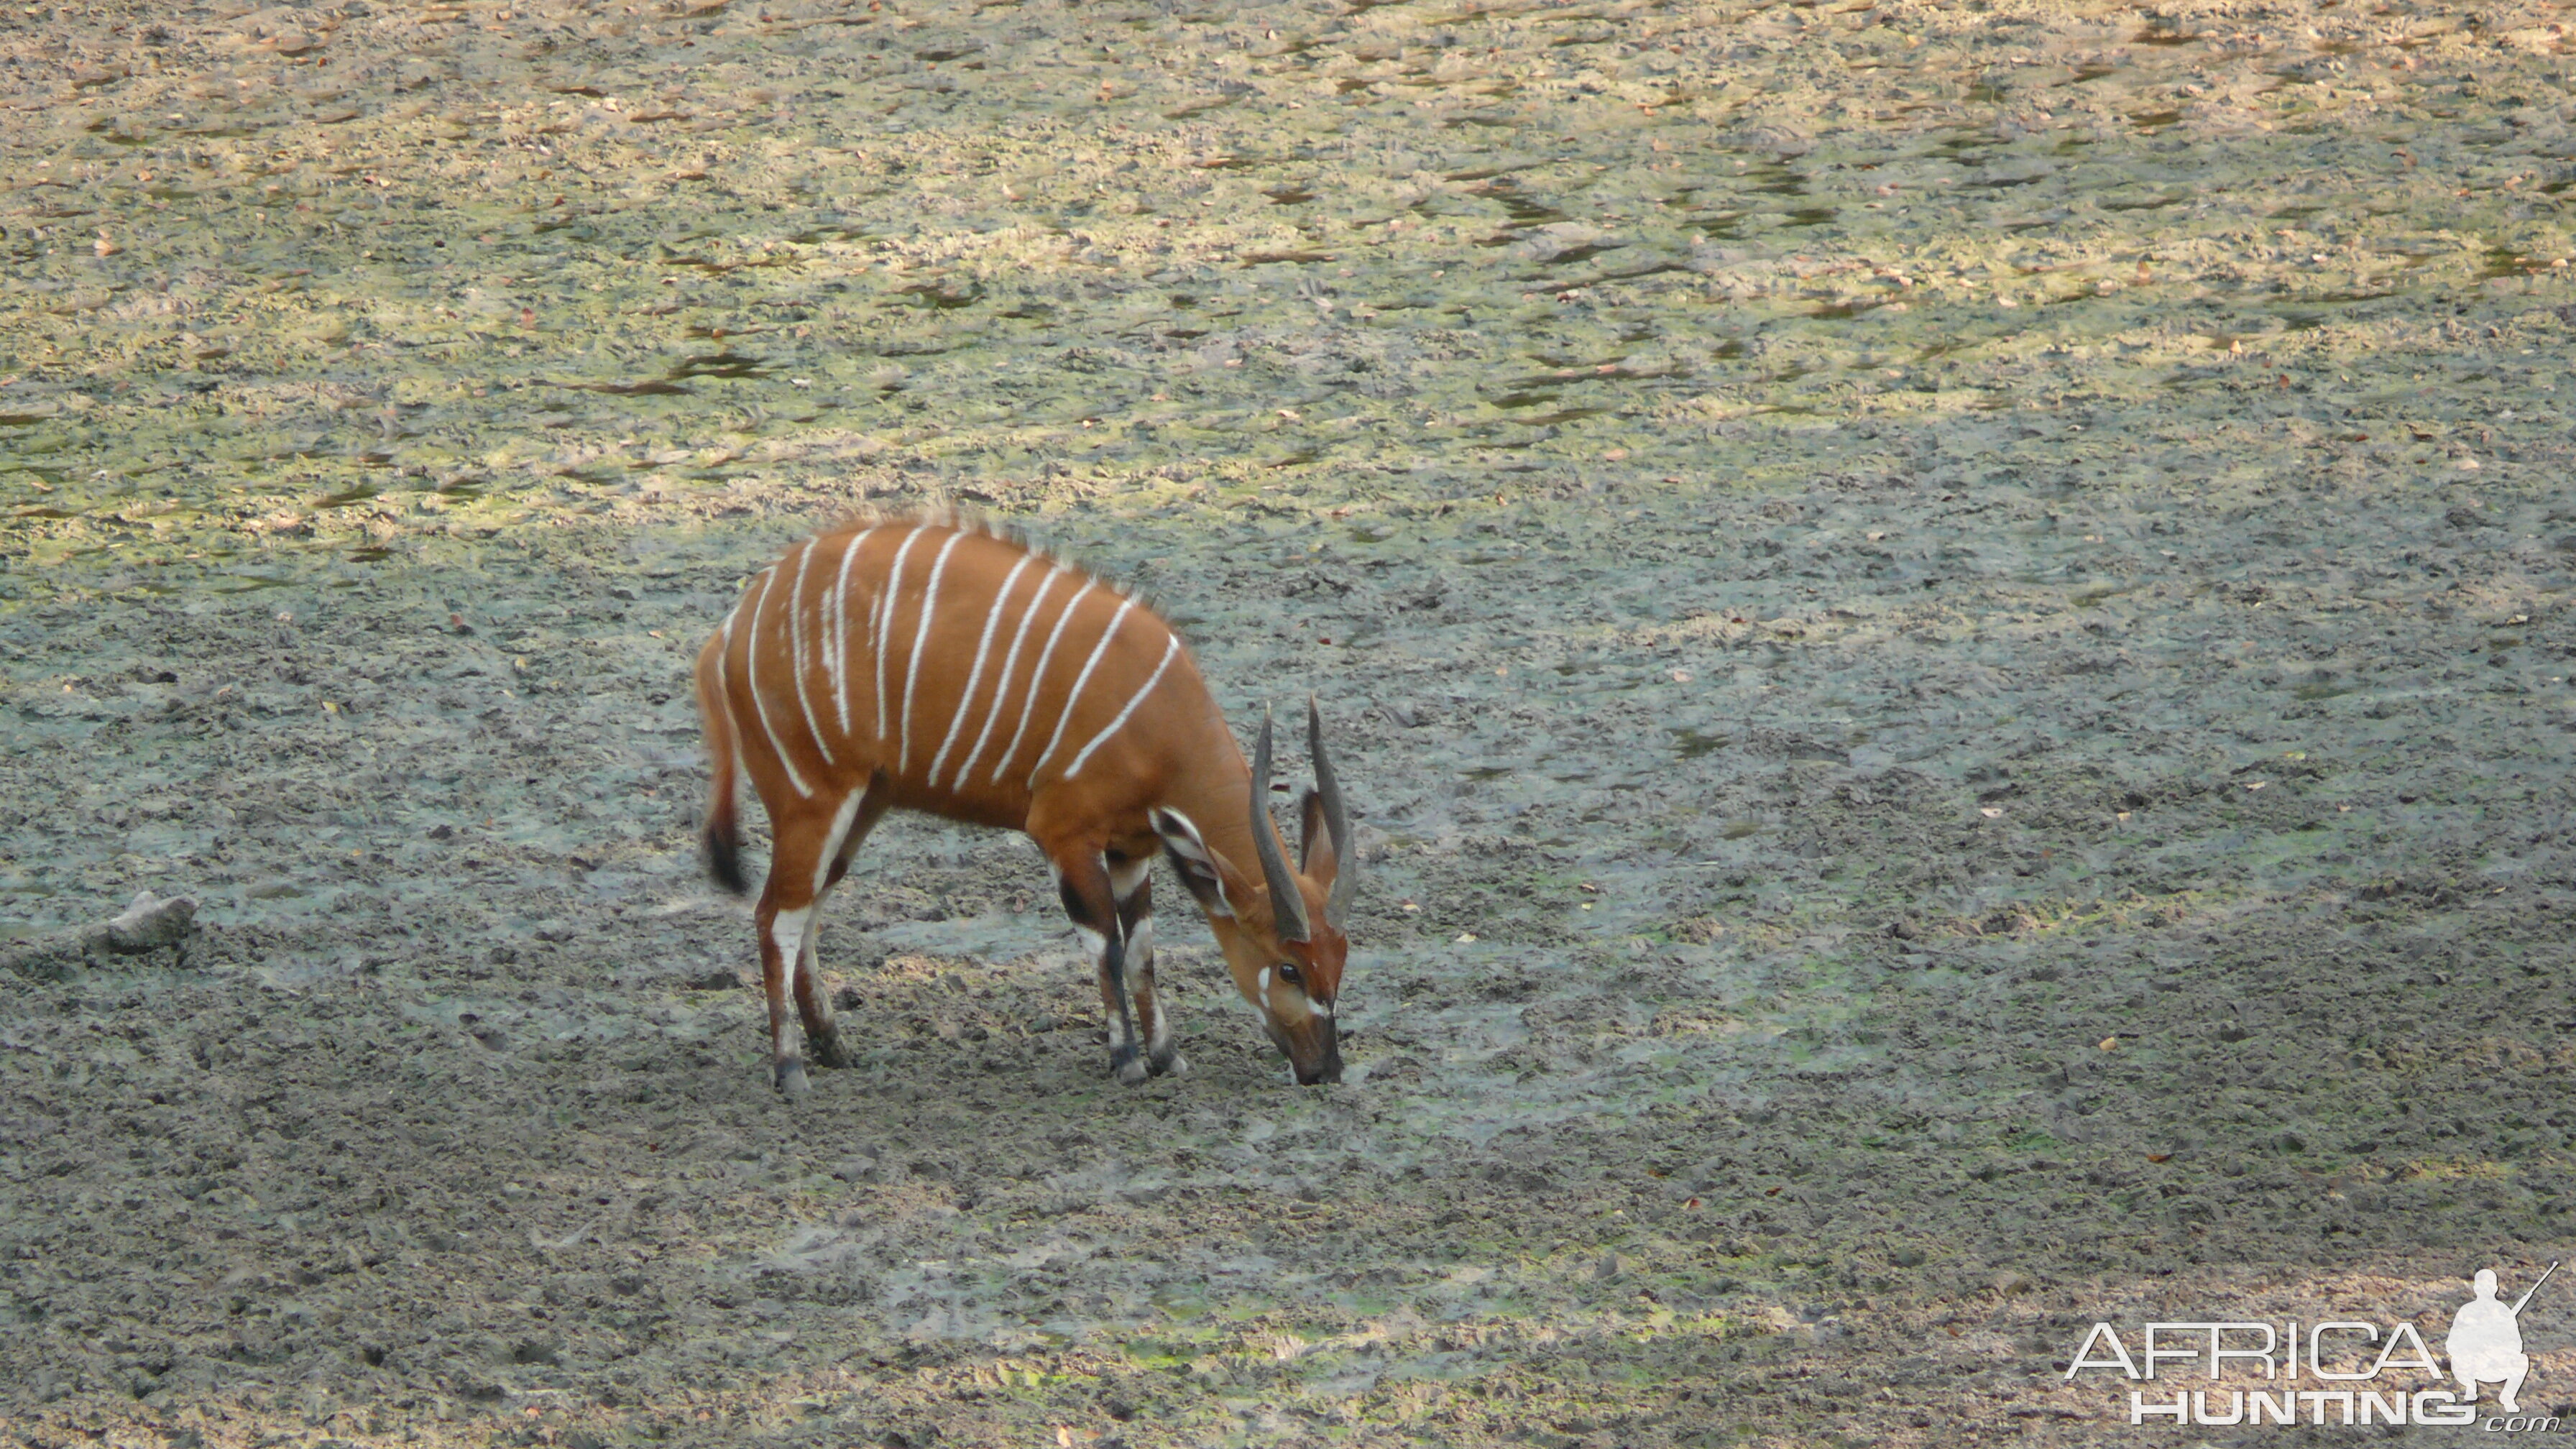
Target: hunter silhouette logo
[(2486, 1341), (2338, 1371)]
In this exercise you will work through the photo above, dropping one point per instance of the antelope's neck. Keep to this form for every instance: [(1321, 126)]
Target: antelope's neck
[(1217, 798)]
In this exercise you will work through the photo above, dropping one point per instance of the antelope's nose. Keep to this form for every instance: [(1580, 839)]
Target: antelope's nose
[(1328, 1066)]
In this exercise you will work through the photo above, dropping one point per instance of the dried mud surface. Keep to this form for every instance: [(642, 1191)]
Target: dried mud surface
[(1948, 625)]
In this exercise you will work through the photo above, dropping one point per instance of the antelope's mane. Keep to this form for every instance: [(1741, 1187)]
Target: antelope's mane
[(974, 521)]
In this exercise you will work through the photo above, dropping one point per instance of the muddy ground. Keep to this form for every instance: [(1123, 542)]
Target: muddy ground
[(1949, 628)]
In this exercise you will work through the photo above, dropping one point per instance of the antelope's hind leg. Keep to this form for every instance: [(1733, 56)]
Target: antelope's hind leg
[(857, 815), (783, 937), (1134, 883), (805, 842), (822, 1034)]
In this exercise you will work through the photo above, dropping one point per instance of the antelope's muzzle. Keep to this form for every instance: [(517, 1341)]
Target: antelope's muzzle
[(1315, 1053)]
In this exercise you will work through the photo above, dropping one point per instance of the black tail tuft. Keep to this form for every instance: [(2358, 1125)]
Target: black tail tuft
[(724, 861)]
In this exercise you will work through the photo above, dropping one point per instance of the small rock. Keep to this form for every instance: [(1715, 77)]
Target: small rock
[(150, 923), (1783, 142)]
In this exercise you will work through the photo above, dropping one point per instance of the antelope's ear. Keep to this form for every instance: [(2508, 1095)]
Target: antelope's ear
[(1198, 866), (1316, 859)]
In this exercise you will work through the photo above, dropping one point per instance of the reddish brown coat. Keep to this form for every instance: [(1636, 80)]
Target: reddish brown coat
[(929, 664)]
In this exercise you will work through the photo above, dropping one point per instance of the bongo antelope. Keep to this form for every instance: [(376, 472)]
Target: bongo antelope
[(930, 664)]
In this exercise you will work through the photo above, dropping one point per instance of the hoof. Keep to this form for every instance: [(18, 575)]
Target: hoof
[(1130, 1072), (791, 1081), (1171, 1064), (828, 1052)]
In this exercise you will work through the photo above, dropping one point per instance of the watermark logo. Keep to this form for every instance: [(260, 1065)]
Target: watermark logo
[(2365, 1373), (2486, 1341)]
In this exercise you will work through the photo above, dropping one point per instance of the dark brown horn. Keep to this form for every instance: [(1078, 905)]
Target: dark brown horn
[(1287, 903), (1337, 821)]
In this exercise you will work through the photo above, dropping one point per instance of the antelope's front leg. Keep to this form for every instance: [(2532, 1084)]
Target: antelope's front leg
[(1136, 919), (1091, 900)]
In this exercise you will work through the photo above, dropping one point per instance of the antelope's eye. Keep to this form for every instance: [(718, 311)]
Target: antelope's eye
[(1288, 973)]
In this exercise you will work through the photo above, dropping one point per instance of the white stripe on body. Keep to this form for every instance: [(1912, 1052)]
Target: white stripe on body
[(724, 686), (832, 839), (751, 681), (1038, 674), (882, 621), (796, 652), (975, 676), (1073, 697), (838, 620), (1002, 685), (912, 666), (1170, 649)]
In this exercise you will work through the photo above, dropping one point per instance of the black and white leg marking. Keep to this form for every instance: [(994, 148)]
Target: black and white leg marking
[(1133, 880), (813, 1006), (858, 814), (1092, 902), (782, 942)]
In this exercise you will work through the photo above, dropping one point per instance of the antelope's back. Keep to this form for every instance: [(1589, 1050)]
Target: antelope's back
[(973, 671)]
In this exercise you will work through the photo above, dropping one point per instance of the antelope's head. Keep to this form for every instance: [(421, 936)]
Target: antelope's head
[(1282, 934)]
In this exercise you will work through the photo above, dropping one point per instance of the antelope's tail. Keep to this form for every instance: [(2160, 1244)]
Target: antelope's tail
[(723, 833)]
